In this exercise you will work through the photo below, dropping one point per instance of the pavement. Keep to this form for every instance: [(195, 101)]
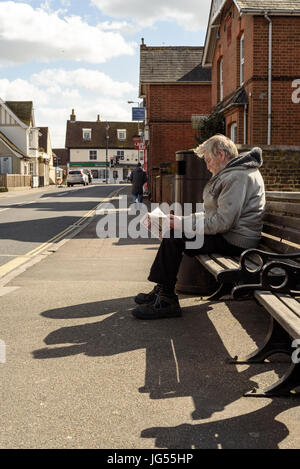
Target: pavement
[(81, 372)]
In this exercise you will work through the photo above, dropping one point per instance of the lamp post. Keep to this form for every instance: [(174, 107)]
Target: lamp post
[(106, 159)]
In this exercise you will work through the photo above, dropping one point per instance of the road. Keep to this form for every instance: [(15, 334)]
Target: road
[(29, 220)]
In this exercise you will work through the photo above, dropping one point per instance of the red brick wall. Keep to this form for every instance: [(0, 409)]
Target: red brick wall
[(285, 69), (169, 111), (230, 51)]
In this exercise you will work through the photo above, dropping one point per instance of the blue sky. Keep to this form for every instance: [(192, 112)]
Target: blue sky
[(65, 54)]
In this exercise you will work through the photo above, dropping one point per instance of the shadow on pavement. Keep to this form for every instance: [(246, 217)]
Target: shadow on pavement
[(184, 357)]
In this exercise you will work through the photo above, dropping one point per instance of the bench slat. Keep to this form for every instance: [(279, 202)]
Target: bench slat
[(284, 207), (227, 262), (280, 312), (283, 195), (282, 221), (287, 234), (291, 303), (275, 245), (212, 266)]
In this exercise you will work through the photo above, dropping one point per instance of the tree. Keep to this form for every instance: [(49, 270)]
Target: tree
[(209, 126)]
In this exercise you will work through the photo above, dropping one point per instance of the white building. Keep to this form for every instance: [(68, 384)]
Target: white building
[(108, 149)]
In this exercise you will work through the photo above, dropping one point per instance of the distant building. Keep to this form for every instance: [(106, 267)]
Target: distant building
[(176, 89), (46, 169), (108, 149), (18, 138)]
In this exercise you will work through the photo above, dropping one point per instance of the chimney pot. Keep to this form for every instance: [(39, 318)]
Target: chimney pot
[(72, 116)]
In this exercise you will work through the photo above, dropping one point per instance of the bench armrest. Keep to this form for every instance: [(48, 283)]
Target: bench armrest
[(289, 277), (265, 257)]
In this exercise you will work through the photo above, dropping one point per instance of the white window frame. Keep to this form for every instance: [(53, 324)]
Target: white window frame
[(233, 132), (121, 134), (121, 154), (242, 59), (221, 91), (87, 135), (94, 152)]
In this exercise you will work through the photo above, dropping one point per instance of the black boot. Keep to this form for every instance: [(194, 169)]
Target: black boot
[(147, 298)]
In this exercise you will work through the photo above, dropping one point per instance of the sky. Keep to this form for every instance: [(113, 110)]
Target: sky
[(84, 55)]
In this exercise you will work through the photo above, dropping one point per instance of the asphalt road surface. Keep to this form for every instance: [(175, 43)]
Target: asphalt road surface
[(27, 221)]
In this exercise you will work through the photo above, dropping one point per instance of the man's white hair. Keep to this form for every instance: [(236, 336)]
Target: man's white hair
[(215, 144)]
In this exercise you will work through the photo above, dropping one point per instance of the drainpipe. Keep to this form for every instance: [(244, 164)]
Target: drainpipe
[(269, 78)]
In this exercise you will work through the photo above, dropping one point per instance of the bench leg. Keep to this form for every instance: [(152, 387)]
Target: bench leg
[(224, 289), (285, 387), (277, 341)]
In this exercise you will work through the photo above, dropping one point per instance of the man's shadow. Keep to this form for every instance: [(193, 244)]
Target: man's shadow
[(260, 429), (184, 356)]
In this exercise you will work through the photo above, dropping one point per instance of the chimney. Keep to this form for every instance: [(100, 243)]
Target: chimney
[(72, 116), (98, 118), (143, 45)]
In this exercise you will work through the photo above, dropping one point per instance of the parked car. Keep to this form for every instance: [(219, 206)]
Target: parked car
[(77, 176)]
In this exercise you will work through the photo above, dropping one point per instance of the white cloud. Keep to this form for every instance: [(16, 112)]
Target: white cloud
[(191, 14), (56, 92), (90, 80), (38, 34)]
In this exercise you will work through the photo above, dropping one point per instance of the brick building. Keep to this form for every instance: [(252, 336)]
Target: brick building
[(107, 149), (174, 87), (252, 47)]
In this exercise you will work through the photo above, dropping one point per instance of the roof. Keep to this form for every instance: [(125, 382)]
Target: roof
[(238, 98), (172, 65), (272, 7), (98, 138), (22, 109), (11, 145)]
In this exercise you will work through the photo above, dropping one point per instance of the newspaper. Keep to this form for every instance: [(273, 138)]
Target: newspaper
[(159, 223), (153, 221)]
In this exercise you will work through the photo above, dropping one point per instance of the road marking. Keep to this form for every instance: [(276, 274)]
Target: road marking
[(20, 260), (6, 290)]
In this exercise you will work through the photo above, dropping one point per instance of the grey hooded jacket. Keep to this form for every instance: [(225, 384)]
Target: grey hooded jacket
[(234, 201)]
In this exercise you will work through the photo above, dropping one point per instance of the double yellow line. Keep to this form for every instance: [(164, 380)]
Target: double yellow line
[(20, 260)]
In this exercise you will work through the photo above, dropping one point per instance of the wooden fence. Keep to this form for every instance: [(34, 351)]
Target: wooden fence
[(14, 180)]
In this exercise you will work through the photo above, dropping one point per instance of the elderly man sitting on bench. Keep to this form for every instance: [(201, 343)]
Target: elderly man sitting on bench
[(234, 201)]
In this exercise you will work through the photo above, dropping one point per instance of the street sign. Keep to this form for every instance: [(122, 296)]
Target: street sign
[(138, 113)]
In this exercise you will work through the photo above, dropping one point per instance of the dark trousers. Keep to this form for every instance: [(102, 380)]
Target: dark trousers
[(166, 265)]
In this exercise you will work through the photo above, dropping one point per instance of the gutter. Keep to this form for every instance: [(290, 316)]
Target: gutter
[(269, 78)]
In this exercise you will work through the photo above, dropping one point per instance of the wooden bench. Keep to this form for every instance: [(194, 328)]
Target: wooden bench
[(270, 274)]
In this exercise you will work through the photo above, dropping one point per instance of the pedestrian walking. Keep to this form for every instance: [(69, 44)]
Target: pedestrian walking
[(138, 178)]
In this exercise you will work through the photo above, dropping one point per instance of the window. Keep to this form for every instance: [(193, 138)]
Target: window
[(221, 80), (242, 60), (103, 173), (233, 132), (93, 154), (121, 134), (228, 21), (120, 154), (87, 134)]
